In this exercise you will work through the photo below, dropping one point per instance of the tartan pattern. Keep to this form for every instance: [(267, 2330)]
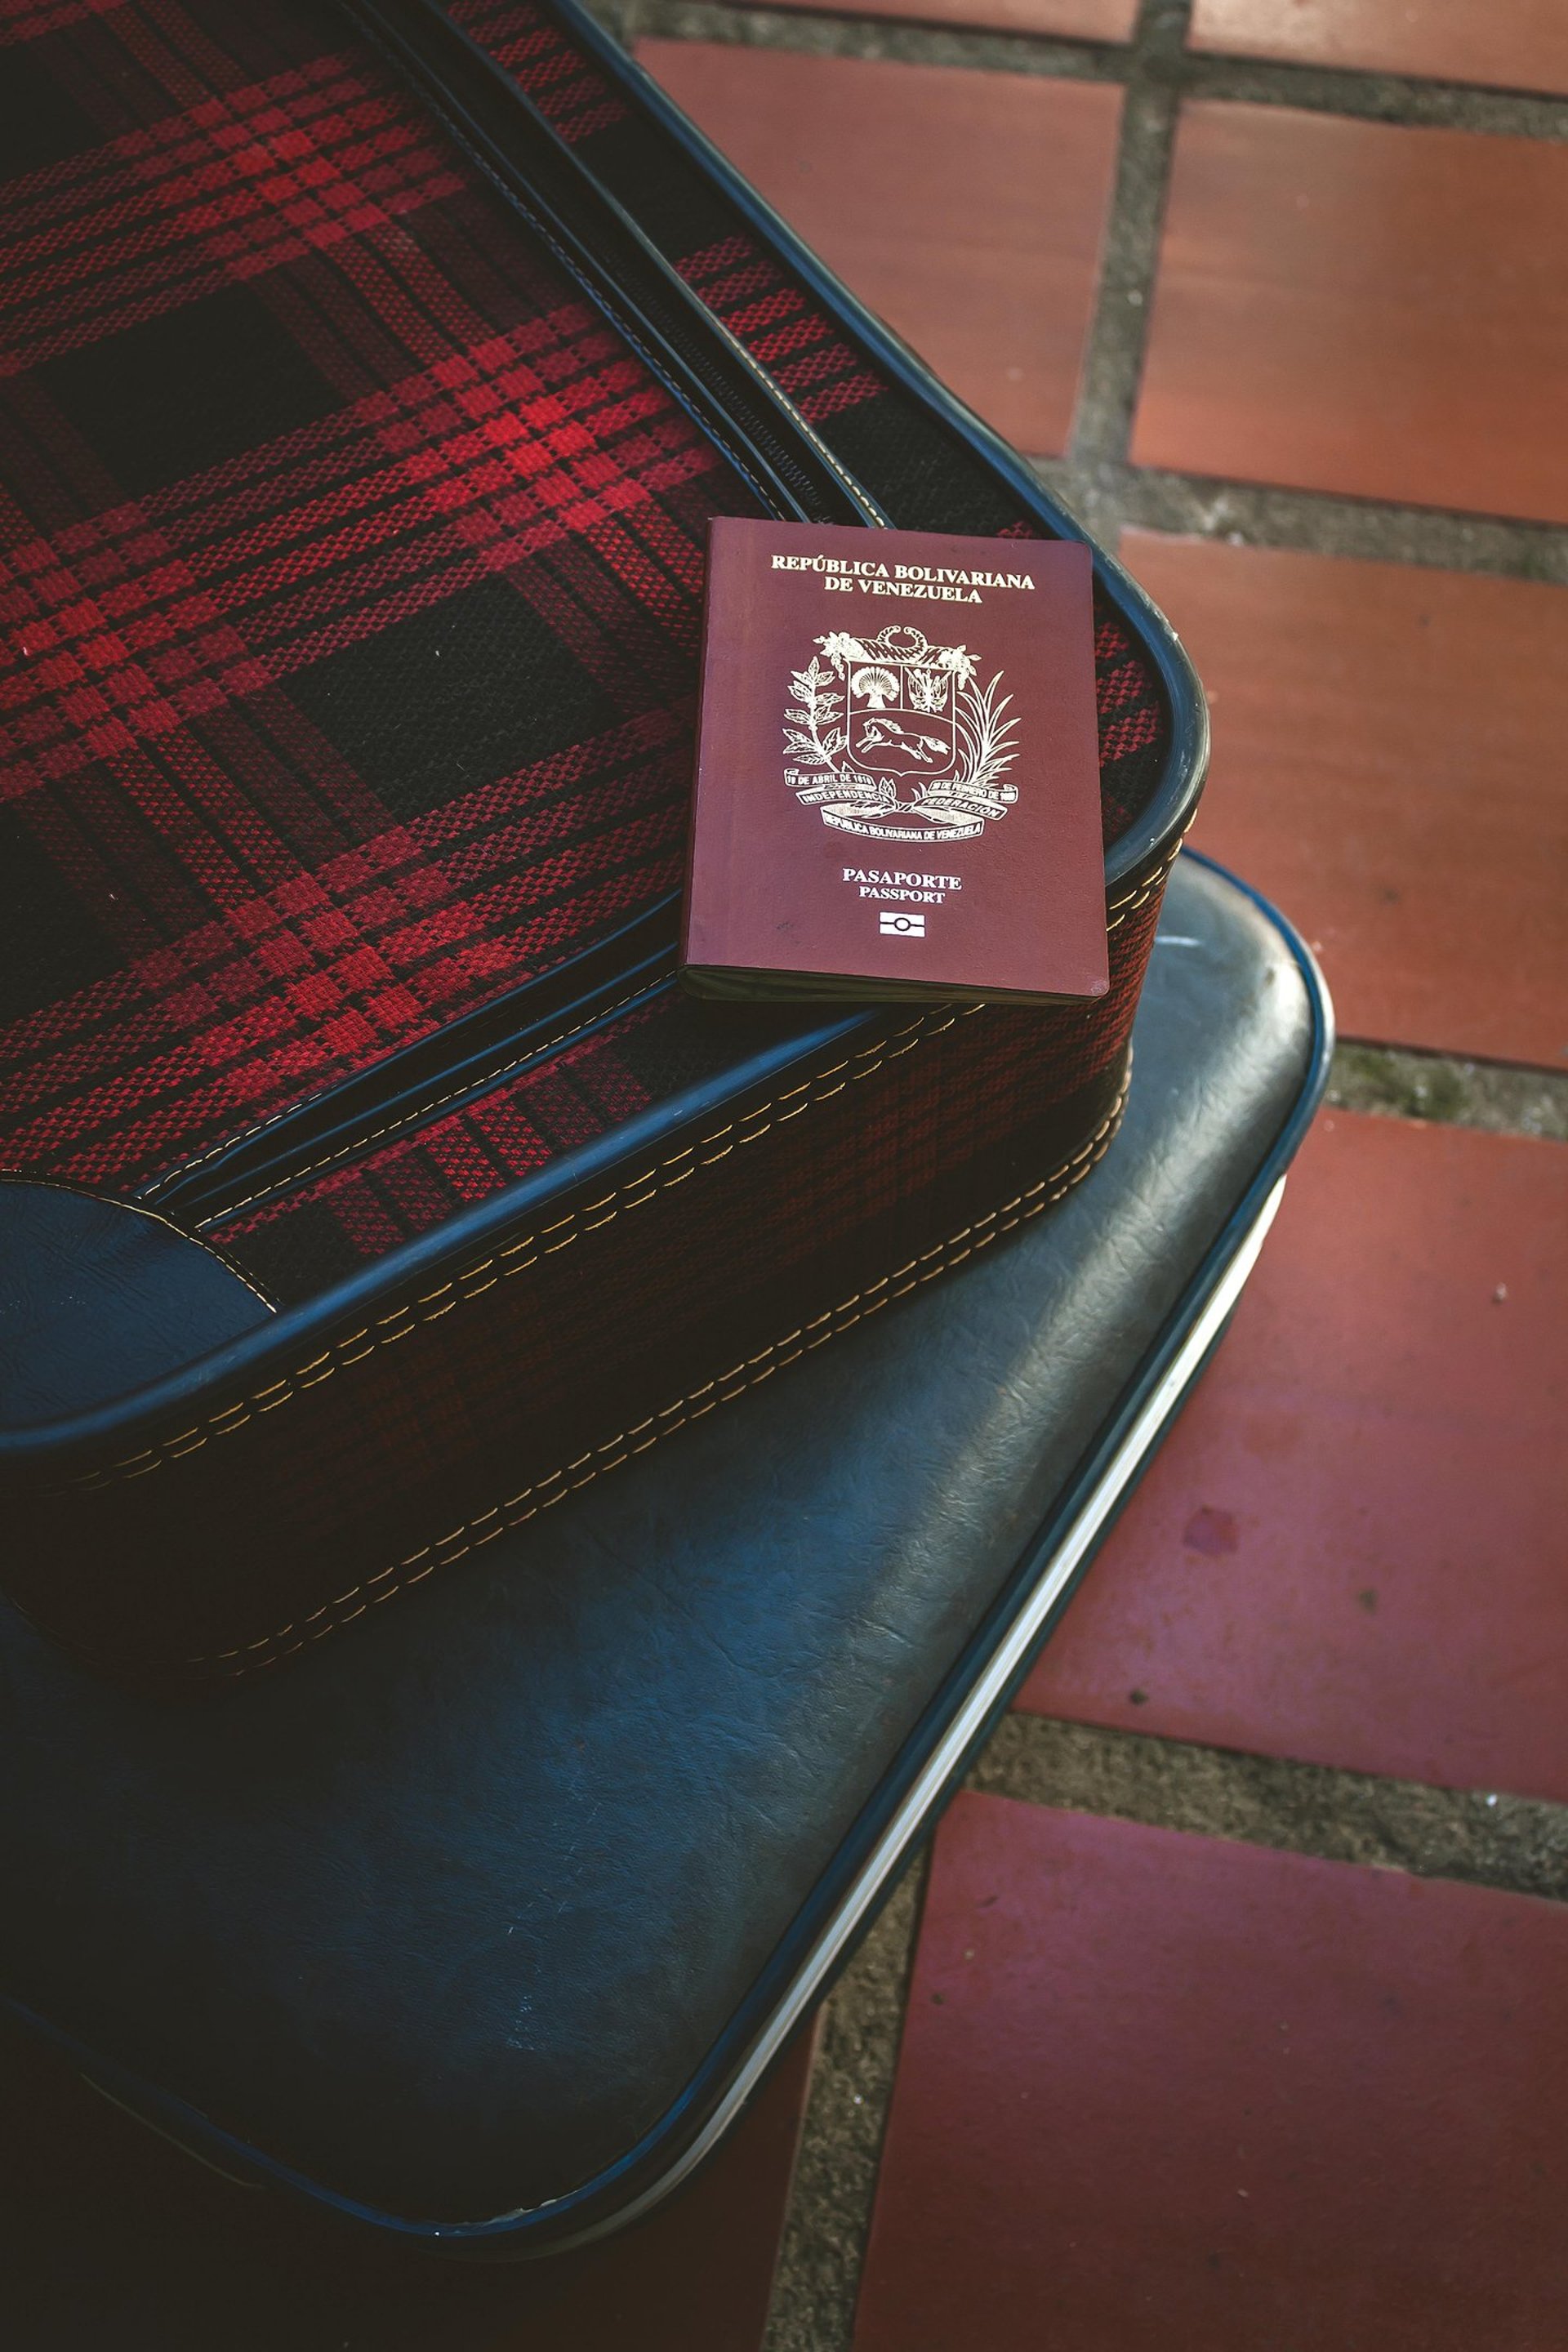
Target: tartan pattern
[(564, 85), (406, 416), (372, 1198), (370, 1201), (784, 332), (420, 447)]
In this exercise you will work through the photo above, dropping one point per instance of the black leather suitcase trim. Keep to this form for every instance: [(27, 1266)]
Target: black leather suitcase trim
[(933, 1758)]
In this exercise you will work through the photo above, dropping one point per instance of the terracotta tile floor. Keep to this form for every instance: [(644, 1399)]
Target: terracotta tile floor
[(1507, 43), (1160, 2091), (1073, 20), (967, 209), (1350, 1549), (1156, 2089), (1388, 766), (110, 2236), (1363, 306)]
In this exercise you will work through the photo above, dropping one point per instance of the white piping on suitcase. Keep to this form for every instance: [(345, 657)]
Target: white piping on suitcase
[(644, 1434), (948, 1755)]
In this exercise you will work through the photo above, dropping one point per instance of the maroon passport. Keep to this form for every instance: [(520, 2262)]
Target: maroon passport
[(898, 775)]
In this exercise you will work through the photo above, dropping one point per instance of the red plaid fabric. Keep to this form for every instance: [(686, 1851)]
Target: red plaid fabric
[(568, 90), (318, 485), (289, 417), (365, 1201)]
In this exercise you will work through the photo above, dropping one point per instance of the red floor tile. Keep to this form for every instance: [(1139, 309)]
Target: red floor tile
[(1361, 308), (108, 2236), (967, 209), (1351, 1548), (1164, 2094), (1507, 43), (1388, 765), (1072, 20)]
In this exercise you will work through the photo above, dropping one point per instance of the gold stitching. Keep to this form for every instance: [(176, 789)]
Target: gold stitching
[(375, 1134), (1122, 907), (402, 1321), (238, 1414), (443, 1551)]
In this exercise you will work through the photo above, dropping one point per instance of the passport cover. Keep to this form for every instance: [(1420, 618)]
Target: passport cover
[(897, 772)]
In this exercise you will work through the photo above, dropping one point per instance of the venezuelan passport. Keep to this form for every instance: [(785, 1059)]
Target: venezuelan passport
[(897, 776)]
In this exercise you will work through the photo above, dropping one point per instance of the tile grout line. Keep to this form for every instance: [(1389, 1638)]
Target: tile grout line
[(1492, 1838), (829, 2219), (1112, 362), (820, 35), (1416, 100), (1266, 514), (1447, 1090)]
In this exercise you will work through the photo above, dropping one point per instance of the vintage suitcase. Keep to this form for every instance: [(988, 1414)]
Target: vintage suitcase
[(371, 378), (481, 1931)]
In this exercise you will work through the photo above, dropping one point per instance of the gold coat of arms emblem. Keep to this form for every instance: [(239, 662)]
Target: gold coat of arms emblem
[(893, 738)]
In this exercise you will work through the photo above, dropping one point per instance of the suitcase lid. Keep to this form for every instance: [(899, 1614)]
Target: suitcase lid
[(362, 508)]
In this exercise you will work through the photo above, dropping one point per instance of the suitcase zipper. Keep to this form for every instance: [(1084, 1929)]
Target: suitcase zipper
[(790, 471), (449, 1068)]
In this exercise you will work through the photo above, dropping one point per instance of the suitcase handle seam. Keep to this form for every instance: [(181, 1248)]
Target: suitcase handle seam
[(412, 1117), (465, 1283), (749, 1373)]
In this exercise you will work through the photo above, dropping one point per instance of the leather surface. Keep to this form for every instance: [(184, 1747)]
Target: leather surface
[(446, 1917), (97, 1299)]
